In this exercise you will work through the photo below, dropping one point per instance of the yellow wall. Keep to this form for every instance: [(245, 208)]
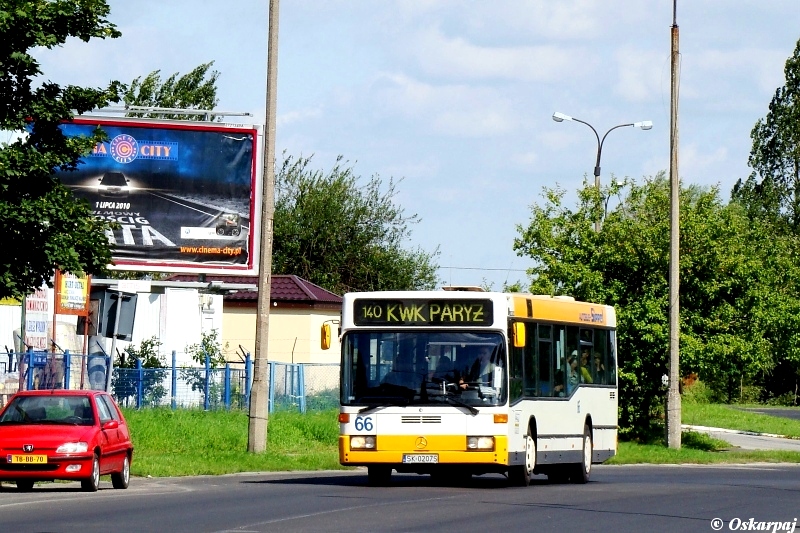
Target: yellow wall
[(294, 334)]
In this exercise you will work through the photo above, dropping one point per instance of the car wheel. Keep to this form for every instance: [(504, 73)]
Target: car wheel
[(520, 475), (24, 485), (92, 483), (379, 476), (121, 479), (235, 232), (583, 470)]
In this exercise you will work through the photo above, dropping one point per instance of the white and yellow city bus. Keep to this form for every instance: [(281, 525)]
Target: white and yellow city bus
[(464, 382)]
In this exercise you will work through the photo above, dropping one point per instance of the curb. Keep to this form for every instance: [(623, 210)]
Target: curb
[(738, 431)]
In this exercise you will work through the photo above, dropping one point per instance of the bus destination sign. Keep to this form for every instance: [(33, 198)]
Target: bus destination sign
[(417, 312)]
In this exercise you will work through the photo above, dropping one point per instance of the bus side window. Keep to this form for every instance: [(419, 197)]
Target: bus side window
[(529, 361), (558, 361), (544, 356), (519, 356), (612, 357)]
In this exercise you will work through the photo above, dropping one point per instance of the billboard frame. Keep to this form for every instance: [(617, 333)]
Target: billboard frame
[(188, 128)]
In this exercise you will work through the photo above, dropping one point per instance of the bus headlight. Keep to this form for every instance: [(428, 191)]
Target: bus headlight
[(480, 443), (358, 442)]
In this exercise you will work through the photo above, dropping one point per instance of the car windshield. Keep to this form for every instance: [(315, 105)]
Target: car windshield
[(423, 368), (50, 409)]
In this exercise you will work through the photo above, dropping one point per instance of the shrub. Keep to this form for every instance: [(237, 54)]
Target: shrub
[(695, 391)]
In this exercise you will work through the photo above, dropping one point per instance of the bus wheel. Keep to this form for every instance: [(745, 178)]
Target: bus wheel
[(583, 470), (378, 476), (520, 475)]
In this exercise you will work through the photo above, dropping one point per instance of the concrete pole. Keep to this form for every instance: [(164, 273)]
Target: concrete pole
[(257, 427), (673, 422)]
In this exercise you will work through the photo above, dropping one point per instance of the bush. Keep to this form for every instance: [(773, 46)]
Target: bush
[(786, 399), (126, 379), (696, 391)]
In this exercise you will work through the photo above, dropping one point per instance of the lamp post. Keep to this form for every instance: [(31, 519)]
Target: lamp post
[(561, 117)]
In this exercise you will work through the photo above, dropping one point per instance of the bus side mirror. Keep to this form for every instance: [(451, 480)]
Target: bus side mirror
[(326, 336), (519, 334)]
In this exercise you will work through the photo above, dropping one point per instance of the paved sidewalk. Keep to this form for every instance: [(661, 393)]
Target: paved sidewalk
[(748, 440)]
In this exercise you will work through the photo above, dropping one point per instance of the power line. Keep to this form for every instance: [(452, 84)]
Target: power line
[(480, 268)]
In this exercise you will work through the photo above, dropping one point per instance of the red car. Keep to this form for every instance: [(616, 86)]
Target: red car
[(64, 434)]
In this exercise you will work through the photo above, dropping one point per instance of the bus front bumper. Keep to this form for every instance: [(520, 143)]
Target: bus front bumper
[(418, 452)]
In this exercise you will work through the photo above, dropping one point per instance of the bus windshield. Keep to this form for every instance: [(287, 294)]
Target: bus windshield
[(423, 368)]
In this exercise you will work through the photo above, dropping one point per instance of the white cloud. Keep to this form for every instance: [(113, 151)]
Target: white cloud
[(644, 75), (457, 58), (457, 110), (299, 115), (700, 164)]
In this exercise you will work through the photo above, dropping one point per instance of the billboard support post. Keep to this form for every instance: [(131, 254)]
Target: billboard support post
[(114, 341)]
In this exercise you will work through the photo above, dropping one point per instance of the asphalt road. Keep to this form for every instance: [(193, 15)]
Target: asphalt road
[(786, 412), (619, 498)]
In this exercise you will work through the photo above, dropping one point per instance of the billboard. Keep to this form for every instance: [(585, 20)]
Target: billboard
[(184, 194)]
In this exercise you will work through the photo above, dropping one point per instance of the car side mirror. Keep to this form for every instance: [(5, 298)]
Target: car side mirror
[(111, 424)]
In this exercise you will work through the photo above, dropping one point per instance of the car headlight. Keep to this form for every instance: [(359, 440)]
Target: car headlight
[(73, 447), (480, 443), (358, 442)]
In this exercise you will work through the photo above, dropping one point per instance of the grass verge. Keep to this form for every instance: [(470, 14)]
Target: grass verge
[(738, 417), (192, 442)]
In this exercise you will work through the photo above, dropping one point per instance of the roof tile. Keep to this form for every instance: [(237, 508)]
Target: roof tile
[(283, 288)]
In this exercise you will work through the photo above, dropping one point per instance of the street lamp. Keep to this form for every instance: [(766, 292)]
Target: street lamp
[(561, 117)]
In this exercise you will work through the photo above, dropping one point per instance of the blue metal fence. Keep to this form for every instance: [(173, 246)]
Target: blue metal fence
[(304, 386)]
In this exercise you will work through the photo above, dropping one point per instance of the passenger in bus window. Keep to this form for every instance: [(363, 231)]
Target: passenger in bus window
[(586, 375), (558, 388), (599, 369), (573, 375)]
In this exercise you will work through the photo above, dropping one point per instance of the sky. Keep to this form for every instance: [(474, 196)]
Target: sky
[(455, 98)]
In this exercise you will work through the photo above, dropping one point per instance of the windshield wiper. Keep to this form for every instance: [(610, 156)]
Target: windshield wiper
[(385, 401), (455, 401)]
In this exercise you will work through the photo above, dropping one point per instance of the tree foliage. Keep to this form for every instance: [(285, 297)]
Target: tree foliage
[(738, 294), (344, 234), (773, 189), (44, 226), (126, 380), (195, 90)]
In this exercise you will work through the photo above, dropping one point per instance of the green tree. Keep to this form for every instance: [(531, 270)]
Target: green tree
[(773, 189), (737, 295), (43, 225), (195, 90), (209, 346), (344, 234), (126, 380)]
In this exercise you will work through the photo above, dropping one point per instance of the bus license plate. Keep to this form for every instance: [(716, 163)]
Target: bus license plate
[(27, 459), (409, 458)]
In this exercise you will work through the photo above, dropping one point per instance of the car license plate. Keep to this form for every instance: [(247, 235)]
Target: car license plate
[(27, 459), (420, 458)]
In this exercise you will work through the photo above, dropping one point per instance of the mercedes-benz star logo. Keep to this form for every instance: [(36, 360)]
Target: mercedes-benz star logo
[(421, 443)]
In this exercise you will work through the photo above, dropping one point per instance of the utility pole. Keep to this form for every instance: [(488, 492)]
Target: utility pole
[(257, 427), (673, 429)]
